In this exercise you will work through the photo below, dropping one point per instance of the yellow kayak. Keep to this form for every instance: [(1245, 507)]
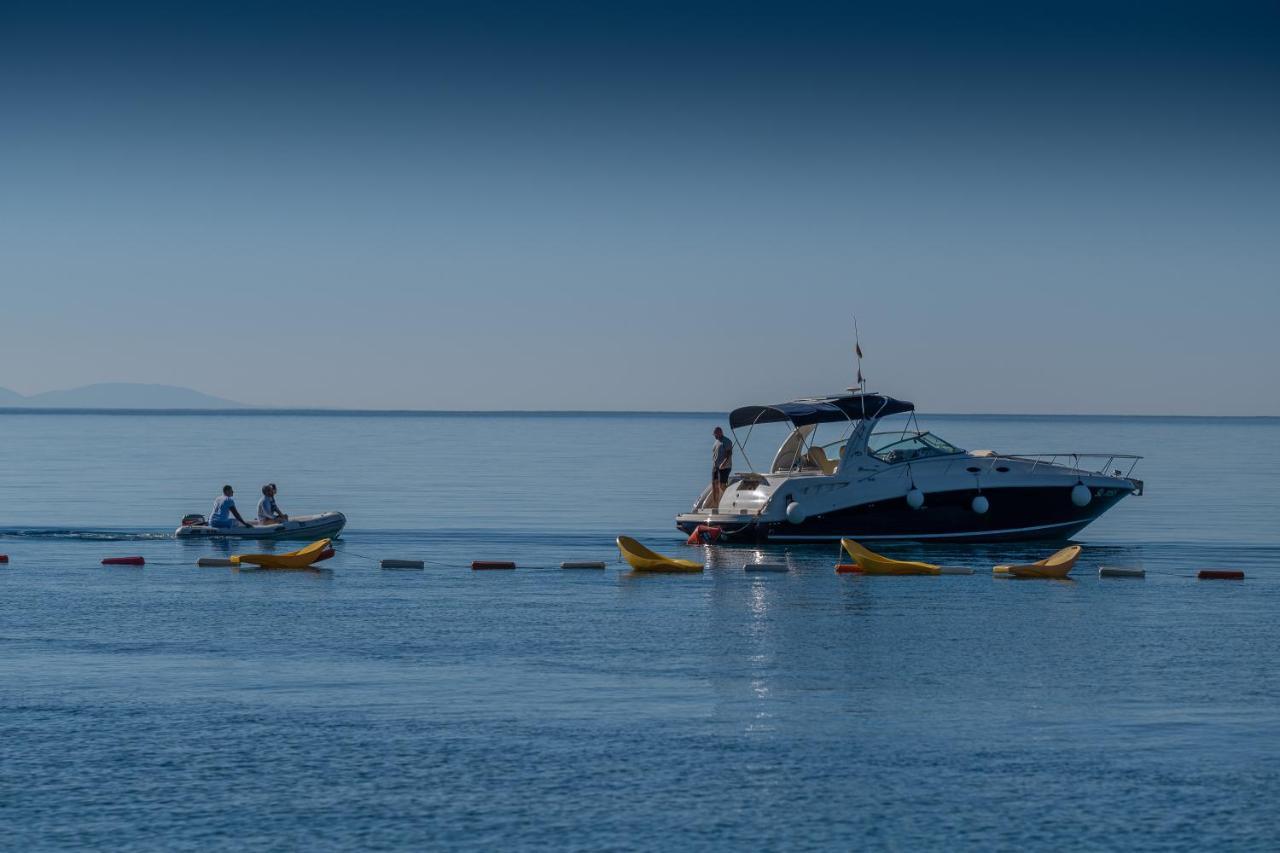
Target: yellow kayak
[(643, 560), (871, 563), (1058, 565), (300, 559)]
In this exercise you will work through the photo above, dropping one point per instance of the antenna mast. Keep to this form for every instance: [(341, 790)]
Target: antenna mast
[(861, 385)]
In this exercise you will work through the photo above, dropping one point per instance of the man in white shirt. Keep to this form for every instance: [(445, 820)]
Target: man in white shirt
[(223, 510), (268, 512)]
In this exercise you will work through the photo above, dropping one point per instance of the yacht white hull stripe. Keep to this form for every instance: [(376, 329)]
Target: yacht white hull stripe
[(934, 535)]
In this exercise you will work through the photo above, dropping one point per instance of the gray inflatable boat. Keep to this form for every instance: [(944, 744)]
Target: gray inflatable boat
[(325, 525)]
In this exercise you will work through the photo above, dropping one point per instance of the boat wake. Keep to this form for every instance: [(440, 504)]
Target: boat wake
[(85, 535)]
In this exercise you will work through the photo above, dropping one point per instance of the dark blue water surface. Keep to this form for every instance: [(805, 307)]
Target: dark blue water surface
[(179, 708)]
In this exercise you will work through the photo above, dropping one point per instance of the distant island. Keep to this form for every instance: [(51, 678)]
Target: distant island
[(117, 395)]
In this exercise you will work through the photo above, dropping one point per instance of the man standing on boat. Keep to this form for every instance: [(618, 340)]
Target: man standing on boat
[(223, 509), (721, 465)]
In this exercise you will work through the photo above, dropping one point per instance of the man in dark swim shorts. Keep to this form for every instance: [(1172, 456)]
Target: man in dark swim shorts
[(721, 465)]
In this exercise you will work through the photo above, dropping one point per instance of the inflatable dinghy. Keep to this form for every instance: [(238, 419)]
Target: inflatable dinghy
[(326, 525)]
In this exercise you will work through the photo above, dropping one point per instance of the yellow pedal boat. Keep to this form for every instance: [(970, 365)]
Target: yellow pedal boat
[(643, 560), (300, 559), (1058, 565), (871, 563)]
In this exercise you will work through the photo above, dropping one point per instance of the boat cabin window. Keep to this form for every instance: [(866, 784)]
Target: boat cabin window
[(893, 447)]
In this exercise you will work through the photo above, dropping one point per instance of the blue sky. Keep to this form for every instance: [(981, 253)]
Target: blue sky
[(644, 206)]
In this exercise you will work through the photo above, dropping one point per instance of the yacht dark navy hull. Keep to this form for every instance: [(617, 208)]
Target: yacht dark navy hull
[(1015, 513)]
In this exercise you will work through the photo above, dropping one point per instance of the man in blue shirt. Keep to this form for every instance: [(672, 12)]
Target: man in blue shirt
[(223, 510)]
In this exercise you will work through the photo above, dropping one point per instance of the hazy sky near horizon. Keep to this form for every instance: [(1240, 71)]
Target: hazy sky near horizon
[(1030, 207)]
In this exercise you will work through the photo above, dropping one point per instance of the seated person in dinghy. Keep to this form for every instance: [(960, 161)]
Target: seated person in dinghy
[(268, 512), (223, 510)]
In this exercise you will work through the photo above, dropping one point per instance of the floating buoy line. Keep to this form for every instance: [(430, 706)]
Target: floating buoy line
[(864, 562)]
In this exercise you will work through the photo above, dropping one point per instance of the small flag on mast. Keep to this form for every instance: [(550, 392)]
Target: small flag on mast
[(857, 348)]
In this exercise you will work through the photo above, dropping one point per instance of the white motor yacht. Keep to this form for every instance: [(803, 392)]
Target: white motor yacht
[(869, 482)]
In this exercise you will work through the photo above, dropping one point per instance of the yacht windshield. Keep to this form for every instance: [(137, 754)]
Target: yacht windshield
[(893, 447)]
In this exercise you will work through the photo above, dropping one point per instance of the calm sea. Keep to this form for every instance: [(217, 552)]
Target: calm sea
[(176, 708)]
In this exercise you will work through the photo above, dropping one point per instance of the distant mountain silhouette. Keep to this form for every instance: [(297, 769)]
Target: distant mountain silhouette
[(118, 395)]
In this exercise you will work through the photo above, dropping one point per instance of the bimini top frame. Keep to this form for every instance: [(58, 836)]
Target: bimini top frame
[(819, 410), (844, 408)]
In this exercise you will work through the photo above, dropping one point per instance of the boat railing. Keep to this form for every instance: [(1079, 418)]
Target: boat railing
[(1080, 462), (1076, 463)]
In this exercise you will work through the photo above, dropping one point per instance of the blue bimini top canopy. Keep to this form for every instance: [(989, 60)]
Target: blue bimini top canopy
[(821, 410)]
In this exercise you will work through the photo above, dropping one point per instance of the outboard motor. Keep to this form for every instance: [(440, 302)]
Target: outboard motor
[(192, 520)]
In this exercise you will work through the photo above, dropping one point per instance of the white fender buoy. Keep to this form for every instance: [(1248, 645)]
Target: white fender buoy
[(915, 498), (795, 514), (980, 504), (1080, 494), (954, 570), (1112, 572)]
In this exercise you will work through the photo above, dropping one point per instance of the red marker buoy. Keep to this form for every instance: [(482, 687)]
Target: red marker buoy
[(848, 568), (477, 565), (1220, 575), (123, 561), (704, 534), (4, 558)]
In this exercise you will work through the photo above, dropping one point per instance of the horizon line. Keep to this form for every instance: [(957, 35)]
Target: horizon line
[(258, 411)]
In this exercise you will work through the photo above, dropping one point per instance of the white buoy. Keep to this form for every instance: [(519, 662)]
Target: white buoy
[(980, 504), (954, 570), (1080, 494), (1109, 572), (915, 498), (795, 514), (403, 564)]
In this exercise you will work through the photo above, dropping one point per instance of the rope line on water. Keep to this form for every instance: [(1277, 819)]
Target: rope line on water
[(378, 561)]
